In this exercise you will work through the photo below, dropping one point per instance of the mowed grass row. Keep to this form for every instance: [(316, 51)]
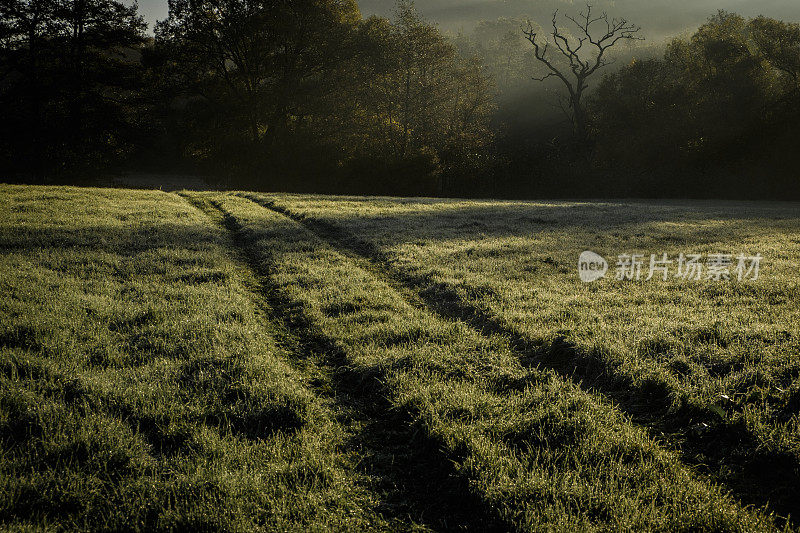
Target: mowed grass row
[(541, 453), (139, 387), (713, 363)]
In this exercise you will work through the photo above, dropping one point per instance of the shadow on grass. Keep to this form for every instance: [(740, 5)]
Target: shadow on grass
[(727, 451), (234, 412), (415, 479)]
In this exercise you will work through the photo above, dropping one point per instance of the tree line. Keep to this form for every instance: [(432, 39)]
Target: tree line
[(308, 95), (717, 115)]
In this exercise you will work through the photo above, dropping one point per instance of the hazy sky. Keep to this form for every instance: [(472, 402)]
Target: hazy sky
[(657, 17)]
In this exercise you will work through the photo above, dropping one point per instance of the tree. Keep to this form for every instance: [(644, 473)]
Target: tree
[(583, 55), (427, 107), (501, 48), (263, 61), (68, 82), (708, 118), (779, 42)]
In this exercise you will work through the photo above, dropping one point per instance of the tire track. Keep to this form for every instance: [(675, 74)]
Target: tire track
[(415, 484), (753, 476)]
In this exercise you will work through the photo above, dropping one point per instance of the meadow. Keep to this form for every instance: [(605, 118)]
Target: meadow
[(240, 361)]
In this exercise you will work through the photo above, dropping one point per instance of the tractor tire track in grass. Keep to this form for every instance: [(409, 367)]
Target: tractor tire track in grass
[(139, 389), (730, 453), (413, 482), (539, 451)]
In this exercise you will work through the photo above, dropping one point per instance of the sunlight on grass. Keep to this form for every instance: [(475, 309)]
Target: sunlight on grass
[(139, 388), (713, 364)]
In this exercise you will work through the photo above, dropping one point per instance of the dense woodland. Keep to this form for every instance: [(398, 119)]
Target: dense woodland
[(309, 95)]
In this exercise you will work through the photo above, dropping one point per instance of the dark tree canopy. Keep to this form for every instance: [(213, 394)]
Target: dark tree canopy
[(307, 89), (714, 116), (70, 73), (262, 57)]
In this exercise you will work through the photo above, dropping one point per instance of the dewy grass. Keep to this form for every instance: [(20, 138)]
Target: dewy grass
[(540, 452), (713, 364), (202, 362), (139, 388)]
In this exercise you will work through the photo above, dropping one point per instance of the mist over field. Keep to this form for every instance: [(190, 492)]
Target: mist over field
[(659, 18)]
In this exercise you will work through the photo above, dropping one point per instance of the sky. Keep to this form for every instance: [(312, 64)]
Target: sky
[(658, 18)]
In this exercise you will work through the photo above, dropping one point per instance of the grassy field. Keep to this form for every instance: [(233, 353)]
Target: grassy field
[(241, 361)]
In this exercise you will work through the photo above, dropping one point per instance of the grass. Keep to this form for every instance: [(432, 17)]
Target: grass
[(712, 365), (141, 387), (226, 361)]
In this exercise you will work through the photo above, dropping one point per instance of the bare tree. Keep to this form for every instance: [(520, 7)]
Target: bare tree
[(584, 54)]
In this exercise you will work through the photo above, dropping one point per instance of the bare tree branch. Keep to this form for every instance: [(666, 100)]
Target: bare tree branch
[(546, 76), (582, 61)]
